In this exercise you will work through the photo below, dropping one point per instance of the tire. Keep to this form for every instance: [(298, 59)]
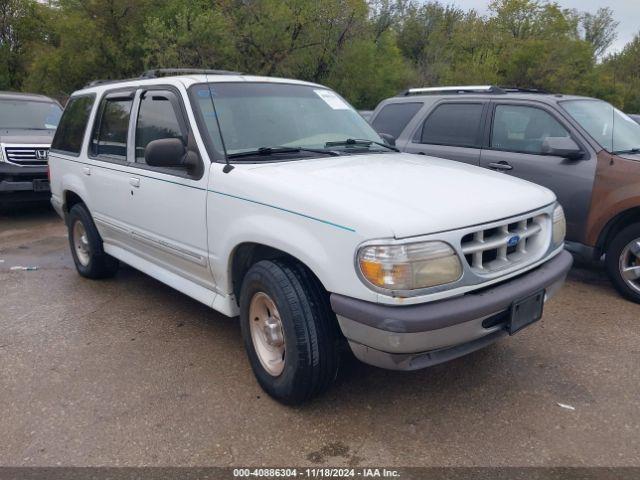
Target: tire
[(89, 256), (620, 254), (308, 328)]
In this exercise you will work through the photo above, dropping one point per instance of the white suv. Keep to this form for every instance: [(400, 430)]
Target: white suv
[(274, 200)]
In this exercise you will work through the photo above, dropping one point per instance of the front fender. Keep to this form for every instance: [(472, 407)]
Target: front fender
[(326, 250)]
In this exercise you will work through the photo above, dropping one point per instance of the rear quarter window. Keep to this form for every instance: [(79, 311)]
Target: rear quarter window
[(394, 117), (73, 125)]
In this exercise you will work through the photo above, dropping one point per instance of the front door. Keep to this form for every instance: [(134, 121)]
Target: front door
[(168, 209), (514, 147)]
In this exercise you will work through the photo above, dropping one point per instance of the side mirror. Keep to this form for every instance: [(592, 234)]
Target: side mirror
[(165, 152), (562, 147), (171, 152), (389, 139)]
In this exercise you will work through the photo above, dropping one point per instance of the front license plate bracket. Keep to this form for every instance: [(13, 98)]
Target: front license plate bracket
[(525, 312)]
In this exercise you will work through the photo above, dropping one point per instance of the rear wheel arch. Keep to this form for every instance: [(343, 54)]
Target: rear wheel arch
[(71, 198)]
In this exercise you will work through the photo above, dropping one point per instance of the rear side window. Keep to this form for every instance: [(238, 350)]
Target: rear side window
[(455, 124), (73, 124), (523, 129), (393, 118), (158, 118), (111, 129)]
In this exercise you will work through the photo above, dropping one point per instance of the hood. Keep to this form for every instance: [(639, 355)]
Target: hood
[(630, 156), (396, 194), (26, 136)]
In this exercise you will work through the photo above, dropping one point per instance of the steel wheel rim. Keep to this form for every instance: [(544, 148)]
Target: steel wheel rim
[(630, 264), (267, 333), (81, 243)]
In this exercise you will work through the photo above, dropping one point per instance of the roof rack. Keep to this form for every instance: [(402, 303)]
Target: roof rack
[(104, 82), (525, 90), (453, 90), (457, 90), (165, 72)]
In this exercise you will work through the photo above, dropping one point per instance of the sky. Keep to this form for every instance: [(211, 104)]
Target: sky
[(627, 12)]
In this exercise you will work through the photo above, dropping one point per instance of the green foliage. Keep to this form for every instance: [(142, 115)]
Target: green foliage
[(365, 49), (190, 34), (23, 25)]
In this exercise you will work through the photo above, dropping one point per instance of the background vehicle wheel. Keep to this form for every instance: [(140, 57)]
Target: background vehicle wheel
[(86, 245), (623, 262), (289, 330)]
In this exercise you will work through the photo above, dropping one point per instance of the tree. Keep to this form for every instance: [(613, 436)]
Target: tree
[(193, 34), (426, 38), (366, 49), (599, 29), (22, 25), (91, 39)]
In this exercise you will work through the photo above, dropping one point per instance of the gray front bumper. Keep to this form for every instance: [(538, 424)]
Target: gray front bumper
[(27, 186), (418, 336), (15, 178)]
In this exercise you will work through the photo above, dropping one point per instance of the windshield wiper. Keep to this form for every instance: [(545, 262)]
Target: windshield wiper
[(357, 141), (276, 150), (630, 150)]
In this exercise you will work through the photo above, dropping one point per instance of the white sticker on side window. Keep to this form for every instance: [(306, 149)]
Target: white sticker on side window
[(333, 100)]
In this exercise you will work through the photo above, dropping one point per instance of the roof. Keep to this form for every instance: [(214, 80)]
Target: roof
[(540, 97), (187, 81), (34, 97)]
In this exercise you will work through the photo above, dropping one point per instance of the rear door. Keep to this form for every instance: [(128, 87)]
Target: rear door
[(104, 173), (513, 145), (452, 129)]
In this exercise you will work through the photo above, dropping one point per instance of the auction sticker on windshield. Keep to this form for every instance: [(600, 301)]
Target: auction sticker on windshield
[(333, 100)]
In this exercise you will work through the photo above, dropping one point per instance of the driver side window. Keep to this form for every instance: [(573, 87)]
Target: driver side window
[(157, 118), (523, 129)]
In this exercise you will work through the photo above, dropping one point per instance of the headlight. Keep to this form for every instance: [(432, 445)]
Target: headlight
[(409, 266), (1, 154), (559, 226)]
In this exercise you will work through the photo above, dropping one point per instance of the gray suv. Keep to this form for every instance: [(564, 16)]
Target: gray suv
[(584, 149), (27, 125)]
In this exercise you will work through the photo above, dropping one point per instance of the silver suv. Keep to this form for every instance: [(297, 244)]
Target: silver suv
[(27, 125)]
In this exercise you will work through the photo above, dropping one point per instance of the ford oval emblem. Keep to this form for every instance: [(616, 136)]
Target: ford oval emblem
[(513, 241)]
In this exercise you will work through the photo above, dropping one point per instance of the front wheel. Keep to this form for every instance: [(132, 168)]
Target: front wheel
[(623, 262), (289, 331)]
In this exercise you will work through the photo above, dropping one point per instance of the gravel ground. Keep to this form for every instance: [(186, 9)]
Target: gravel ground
[(130, 372)]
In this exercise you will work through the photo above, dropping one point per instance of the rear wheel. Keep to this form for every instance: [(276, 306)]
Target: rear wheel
[(86, 245), (623, 262), (289, 330)]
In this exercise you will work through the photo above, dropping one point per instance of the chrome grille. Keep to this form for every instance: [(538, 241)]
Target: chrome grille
[(27, 156), (492, 249)]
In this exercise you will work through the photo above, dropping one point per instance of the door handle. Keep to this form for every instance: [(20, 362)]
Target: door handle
[(86, 171), (134, 182), (500, 166)]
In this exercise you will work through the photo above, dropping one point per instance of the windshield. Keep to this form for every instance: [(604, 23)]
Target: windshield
[(256, 116), (29, 115), (612, 129)]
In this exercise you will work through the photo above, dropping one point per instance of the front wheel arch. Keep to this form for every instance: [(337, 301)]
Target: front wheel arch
[(614, 226), (247, 254)]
